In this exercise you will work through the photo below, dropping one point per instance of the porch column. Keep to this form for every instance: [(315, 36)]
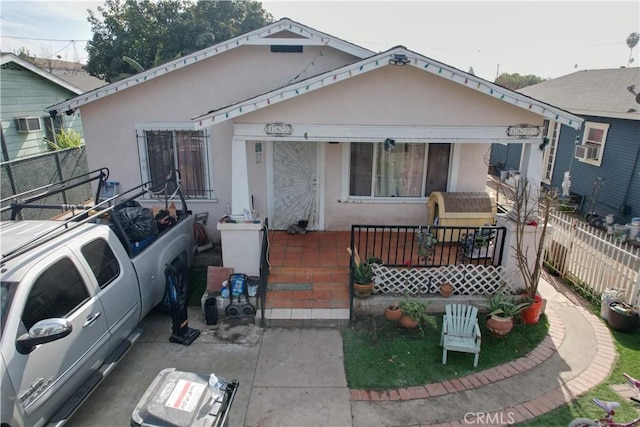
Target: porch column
[(531, 168), (240, 198), (531, 162), (241, 239)]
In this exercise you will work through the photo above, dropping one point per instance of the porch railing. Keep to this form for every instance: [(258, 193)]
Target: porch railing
[(428, 246), (264, 270), (417, 259)]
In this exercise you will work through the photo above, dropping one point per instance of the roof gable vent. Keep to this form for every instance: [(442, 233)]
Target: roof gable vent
[(281, 48)]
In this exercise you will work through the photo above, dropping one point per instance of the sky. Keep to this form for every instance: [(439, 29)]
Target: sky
[(545, 38)]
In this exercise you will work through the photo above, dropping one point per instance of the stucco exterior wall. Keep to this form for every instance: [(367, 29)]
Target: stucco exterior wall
[(398, 97), (176, 97), (394, 96)]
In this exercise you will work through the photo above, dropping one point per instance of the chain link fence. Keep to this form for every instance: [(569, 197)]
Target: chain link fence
[(31, 173)]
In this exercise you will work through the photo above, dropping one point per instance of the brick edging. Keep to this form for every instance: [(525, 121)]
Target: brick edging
[(597, 371), (542, 352)]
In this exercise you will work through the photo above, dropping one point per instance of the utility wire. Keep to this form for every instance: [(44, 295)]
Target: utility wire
[(46, 40)]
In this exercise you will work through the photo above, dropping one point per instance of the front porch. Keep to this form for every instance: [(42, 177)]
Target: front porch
[(308, 281)]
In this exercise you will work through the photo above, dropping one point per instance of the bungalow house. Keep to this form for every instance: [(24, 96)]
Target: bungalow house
[(296, 124), (26, 91), (602, 158)]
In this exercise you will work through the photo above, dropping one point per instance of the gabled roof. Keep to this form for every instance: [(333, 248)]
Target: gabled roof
[(69, 71), (281, 32), (84, 81), (604, 93), (391, 57), (7, 58)]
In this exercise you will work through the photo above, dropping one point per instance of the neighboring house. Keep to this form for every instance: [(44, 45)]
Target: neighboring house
[(25, 93), (71, 72), (297, 124), (603, 158)]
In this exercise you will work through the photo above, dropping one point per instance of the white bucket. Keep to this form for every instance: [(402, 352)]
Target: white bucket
[(635, 221), (610, 219), (620, 232), (634, 230)]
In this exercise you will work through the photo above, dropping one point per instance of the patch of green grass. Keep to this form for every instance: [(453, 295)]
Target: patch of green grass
[(628, 347), (379, 354)]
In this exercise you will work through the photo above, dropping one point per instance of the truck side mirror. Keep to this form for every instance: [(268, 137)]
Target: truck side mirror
[(42, 332)]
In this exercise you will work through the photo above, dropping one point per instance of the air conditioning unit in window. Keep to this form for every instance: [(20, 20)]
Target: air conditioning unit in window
[(587, 151), (27, 124)]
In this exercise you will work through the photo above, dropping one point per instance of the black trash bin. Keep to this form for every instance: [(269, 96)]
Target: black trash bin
[(184, 399), (211, 311)]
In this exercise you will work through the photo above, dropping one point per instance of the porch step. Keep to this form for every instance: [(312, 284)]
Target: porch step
[(307, 297), (317, 296), (306, 317)]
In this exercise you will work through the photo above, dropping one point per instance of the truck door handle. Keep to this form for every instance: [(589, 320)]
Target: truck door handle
[(90, 319)]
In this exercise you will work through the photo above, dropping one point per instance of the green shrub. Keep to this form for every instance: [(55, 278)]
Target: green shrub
[(66, 139)]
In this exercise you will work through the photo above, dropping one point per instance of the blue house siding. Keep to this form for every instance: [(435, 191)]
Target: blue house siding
[(26, 94), (506, 157), (620, 169)]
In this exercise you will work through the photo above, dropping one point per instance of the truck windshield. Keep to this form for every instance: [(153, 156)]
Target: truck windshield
[(6, 294)]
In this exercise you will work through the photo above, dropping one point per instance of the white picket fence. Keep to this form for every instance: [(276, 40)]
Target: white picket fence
[(586, 255)]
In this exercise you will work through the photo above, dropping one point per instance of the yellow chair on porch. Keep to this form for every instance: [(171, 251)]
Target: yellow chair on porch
[(460, 331)]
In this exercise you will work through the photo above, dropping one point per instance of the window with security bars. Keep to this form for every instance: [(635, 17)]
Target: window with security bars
[(184, 150)]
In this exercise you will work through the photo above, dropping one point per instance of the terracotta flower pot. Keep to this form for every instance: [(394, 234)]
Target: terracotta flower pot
[(363, 291), (531, 314), (393, 313), (446, 289), (408, 322), (499, 326)]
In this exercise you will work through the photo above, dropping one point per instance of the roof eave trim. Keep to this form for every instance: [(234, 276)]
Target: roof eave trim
[(42, 73), (381, 60), (245, 39)]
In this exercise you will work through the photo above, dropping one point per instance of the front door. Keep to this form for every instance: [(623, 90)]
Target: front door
[(437, 168), (295, 184)]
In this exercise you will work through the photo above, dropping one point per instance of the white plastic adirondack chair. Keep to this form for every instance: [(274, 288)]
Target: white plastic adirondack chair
[(460, 331)]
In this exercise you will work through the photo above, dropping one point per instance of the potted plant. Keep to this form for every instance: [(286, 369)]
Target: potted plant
[(528, 253), (482, 245), (363, 274), (426, 245), (414, 313), (501, 310), (393, 312), (363, 279), (446, 289)]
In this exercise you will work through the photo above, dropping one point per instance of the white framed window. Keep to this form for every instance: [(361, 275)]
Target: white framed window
[(551, 131), (51, 126), (593, 141), (163, 149), (380, 171)]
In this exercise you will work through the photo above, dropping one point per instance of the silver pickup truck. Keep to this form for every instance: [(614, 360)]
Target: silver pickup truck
[(74, 291)]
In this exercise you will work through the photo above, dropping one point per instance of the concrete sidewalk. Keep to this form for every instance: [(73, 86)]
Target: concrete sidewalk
[(295, 377)]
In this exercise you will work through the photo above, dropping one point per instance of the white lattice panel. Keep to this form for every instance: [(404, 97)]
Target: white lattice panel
[(467, 279)]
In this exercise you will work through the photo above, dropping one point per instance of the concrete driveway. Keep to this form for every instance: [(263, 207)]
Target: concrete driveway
[(288, 377)]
